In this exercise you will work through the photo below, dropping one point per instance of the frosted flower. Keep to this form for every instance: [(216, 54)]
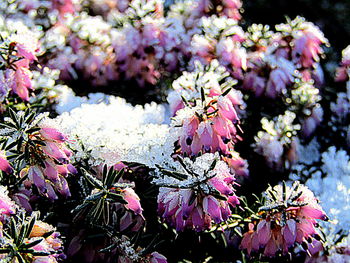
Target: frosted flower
[(288, 218), (4, 164), (50, 164), (281, 76), (214, 79), (277, 141), (196, 194), (308, 43), (208, 129), (310, 123), (270, 75), (7, 206), (342, 73)]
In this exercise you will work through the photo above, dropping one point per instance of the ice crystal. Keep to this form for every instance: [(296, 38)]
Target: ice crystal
[(117, 131)]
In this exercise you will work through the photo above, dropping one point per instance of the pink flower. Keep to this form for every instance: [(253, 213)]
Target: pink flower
[(4, 164), (52, 134), (7, 206), (133, 200), (277, 82), (289, 218), (21, 79), (307, 46), (310, 124), (157, 258), (48, 176), (183, 207), (54, 151)]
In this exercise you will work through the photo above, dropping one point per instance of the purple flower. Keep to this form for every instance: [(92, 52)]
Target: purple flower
[(200, 199), (279, 228), (4, 164)]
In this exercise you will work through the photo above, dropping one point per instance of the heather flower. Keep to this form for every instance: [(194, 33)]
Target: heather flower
[(288, 217), (342, 73), (20, 79), (132, 199), (19, 49), (269, 75), (307, 45), (38, 241), (309, 125), (214, 79), (49, 178), (4, 164), (305, 98), (157, 258), (47, 156), (228, 8), (277, 143), (7, 206), (196, 194), (210, 121), (221, 39), (209, 130)]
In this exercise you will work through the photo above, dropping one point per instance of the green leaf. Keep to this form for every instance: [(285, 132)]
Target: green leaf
[(13, 229), (20, 258), (32, 244), (104, 174), (31, 225), (37, 253), (32, 130), (95, 196), (80, 207), (202, 94), (117, 197), (11, 145), (13, 116), (30, 118), (226, 92), (92, 180), (21, 235)]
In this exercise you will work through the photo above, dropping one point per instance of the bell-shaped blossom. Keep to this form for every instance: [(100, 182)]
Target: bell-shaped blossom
[(310, 124), (133, 200), (289, 217), (4, 164), (7, 206), (157, 258), (20, 79), (277, 142), (343, 72), (49, 175), (204, 196), (307, 45), (50, 244)]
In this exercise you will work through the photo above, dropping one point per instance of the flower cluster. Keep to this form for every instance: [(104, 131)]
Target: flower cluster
[(7, 206), (305, 100), (220, 39), (30, 240), (278, 58), (171, 165), (277, 143), (288, 217), (213, 79), (41, 156), (343, 70), (19, 47), (209, 121), (197, 193)]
